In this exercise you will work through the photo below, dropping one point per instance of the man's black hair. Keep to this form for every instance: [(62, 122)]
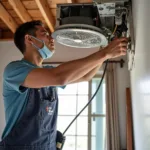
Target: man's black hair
[(22, 30)]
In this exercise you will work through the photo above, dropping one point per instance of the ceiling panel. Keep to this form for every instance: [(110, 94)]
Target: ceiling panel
[(33, 13)]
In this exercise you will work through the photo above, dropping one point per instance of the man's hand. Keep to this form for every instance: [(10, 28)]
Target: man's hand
[(116, 48)]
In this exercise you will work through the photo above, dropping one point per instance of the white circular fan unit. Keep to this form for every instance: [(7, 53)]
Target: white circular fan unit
[(80, 38)]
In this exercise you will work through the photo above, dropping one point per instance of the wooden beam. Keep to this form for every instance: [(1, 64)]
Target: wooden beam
[(47, 14), (20, 10), (34, 13), (8, 20), (84, 1), (31, 5), (70, 1)]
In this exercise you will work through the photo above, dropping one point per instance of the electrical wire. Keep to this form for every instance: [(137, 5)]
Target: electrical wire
[(115, 29), (93, 94), (89, 100)]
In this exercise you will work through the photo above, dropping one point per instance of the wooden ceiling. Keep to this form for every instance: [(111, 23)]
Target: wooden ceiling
[(15, 12)]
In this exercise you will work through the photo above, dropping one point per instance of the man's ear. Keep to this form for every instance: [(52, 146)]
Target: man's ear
[(28, 39)]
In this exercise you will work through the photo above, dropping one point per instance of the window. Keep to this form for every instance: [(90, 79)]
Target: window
[(88, 131), (98, 117)]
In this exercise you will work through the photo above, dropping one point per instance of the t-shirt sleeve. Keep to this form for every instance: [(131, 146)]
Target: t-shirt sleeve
[(48, 66), (15, 74)]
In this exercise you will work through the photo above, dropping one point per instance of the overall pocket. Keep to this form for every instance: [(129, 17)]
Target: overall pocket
[(48, 114)]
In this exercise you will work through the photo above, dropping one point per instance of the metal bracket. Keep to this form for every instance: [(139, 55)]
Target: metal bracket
[(111, 9), (106, 9)]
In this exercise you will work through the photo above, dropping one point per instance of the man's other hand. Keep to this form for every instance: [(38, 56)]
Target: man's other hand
[(116, 48)]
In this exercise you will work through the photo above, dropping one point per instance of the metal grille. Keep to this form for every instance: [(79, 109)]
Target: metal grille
[(80, 38)]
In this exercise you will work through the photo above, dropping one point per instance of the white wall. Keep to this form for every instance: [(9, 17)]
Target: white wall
[(8, 52), (140, 76)]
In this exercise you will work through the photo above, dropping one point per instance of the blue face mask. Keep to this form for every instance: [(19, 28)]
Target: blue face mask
[(45, 52)]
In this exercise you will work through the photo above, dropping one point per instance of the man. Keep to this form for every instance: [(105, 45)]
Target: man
[(29, 89)]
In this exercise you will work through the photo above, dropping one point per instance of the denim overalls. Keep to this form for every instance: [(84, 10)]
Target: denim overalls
[(36, 129)]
